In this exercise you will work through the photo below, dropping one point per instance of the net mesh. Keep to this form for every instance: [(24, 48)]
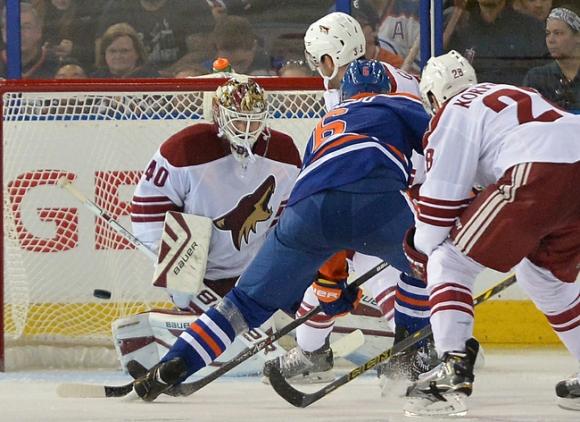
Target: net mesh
[(56, 252)]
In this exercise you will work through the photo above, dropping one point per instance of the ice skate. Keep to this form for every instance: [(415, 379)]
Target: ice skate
[(160, 379), (408, 364), (443, 390), (568, 392), (301, 367)]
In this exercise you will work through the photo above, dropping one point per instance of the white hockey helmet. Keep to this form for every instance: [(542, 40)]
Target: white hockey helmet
[(444, 77), (338, 35), (240, 111)]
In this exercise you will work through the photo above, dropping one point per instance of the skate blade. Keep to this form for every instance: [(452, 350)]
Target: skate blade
[(421, 406), (314, 378), (568, 404)]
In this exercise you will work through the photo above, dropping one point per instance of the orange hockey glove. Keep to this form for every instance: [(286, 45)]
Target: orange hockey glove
[(336, 297)]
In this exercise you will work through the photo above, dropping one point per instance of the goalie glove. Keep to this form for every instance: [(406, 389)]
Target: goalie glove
[(336, 297), (417, 260)]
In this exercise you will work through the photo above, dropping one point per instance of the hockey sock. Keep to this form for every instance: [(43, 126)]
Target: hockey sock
[(411, 304), (204, 340)]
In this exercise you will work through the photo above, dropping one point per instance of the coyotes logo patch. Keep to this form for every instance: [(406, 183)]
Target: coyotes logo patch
[(250, 210)]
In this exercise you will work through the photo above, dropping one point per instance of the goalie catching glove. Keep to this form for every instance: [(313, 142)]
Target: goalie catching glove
[(336, 297)]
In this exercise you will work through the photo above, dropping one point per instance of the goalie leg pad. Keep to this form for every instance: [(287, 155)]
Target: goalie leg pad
[(147, 337)]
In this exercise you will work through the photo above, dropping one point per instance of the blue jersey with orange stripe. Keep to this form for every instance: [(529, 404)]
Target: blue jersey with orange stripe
[(370, 136)]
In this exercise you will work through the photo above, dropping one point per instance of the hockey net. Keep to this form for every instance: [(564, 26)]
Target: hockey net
[(55, 252)]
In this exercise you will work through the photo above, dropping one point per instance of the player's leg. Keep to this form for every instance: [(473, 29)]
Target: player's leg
[(560, 302), (311, 361), (276, 279), (507, 221)]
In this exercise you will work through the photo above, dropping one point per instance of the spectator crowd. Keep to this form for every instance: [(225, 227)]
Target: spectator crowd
[(534, 43)]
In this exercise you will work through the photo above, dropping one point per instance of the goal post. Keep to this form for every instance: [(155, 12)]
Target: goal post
[(100, 135)]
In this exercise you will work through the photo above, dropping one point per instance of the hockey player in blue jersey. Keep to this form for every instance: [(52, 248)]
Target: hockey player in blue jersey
[(347, 196)]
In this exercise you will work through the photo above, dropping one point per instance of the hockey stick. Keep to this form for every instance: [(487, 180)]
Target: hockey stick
[(186, 389), (341, 348), (299, 399)]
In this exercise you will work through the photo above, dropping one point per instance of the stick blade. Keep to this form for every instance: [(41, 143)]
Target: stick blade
[(286, 391), (92, 391)]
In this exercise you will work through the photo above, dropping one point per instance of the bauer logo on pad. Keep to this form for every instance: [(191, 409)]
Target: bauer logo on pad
[(183, 252)]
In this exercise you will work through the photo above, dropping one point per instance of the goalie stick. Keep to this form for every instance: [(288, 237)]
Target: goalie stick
[(186, 389), (300, 399)]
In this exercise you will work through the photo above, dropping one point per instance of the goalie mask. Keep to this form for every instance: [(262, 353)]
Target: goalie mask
[(240, 112), (444, 77)]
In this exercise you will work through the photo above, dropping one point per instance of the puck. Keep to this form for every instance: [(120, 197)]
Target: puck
[(102, 294)]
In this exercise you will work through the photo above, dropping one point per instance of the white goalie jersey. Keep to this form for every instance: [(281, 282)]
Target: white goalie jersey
[(194, 172), (475, 138)]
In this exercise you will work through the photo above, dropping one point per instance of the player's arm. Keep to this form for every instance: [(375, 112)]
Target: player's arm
[(160, 189), (451, 157)]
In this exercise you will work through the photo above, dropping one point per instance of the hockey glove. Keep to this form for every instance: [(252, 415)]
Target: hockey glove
[(336, 297), (417, 260)]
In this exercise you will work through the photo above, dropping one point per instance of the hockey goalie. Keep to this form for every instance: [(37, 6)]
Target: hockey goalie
[(205, 203)]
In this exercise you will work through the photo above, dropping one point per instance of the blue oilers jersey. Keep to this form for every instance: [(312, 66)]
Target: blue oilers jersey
[(367, 137)]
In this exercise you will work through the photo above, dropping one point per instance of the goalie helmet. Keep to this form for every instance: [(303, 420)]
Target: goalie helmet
[(444, 77), (240, 112), (364, 76), (337, 35)]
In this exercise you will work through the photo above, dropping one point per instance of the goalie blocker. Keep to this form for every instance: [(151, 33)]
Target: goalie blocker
[(182, 257)]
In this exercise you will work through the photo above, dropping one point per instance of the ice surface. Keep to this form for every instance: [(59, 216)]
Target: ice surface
[(513, 386)]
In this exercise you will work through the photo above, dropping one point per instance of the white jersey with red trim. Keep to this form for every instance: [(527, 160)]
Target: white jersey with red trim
[(475, 138), (195, 173), (401, 83)]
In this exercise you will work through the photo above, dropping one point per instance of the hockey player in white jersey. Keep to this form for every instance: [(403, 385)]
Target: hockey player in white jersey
[(235, 171), (525, 153), (331, 44)]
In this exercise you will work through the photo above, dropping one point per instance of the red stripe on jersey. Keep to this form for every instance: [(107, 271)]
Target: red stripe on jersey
[(146, 199), (451, 296), (445, 202), (152, 219), (436, 212), (451, 308), (153, 209), (567, 327), (566, 316), (303, 309), (438, 223), (454, 286)]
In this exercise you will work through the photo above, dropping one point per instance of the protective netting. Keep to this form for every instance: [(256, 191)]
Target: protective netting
[(55, 251)]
